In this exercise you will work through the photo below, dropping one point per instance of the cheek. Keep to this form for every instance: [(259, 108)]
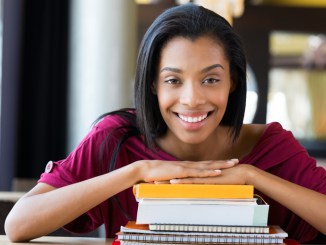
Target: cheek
[(219, 98), (165, 99)]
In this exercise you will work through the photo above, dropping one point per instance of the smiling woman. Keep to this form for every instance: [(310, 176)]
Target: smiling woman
[(190, 97)]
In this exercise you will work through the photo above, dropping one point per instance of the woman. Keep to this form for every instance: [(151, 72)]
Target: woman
[(190, 92)]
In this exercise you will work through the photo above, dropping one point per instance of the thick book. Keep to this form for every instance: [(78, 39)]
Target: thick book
[(203, 212), (134, 232), (209, 228), (148, 190)]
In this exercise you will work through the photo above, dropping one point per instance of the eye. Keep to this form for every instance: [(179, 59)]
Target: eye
[(211, 80), (172, 81)]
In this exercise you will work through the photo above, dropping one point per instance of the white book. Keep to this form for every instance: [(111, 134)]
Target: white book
[(202, 212)]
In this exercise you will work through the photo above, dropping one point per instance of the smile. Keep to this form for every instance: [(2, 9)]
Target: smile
[(192, 119)]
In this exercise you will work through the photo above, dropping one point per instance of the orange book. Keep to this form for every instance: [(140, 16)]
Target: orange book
[(191, 191)]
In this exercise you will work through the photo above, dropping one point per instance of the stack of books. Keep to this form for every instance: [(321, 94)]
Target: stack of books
[(199, 214)]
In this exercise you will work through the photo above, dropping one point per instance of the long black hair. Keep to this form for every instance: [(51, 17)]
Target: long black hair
[(189, 21)]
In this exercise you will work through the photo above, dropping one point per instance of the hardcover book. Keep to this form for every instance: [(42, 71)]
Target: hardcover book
[(250, 212), (203, 191)]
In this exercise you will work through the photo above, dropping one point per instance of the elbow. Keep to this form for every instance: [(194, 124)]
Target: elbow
[(10, 232), (13, 230)]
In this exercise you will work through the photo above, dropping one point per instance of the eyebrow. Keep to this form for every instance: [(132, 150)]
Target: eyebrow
[(212, 67), (206, 69), (170, 69)]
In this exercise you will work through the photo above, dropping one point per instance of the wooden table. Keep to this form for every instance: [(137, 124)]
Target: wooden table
[(48, 240)]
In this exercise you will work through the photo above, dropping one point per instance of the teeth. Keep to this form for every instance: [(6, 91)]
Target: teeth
[(192, 119)]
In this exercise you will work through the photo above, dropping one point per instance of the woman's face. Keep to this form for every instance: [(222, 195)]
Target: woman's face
[(193, 84)]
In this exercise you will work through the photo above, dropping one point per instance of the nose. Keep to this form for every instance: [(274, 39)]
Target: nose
[(192, 95)]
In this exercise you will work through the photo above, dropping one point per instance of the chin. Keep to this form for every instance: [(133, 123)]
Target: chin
[(194, 140)]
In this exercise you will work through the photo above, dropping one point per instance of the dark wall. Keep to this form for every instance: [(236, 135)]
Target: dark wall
[(34, 87), (43, 94), (11, 38)]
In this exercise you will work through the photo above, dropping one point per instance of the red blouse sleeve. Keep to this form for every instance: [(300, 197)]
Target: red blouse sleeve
[(83, 163)]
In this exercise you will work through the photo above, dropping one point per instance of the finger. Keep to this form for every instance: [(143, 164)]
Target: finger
[(199, 164), (234, 160), (212, 164), (179, 172), (201, 173), (162, 182), (213, 180), (224, 164), (206, 180)]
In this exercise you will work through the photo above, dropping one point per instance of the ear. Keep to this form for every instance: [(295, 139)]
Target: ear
[(153, 88), (232, 87)]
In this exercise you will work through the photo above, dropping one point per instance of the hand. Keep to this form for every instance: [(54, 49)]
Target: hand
[(239, 174), (165, 171)]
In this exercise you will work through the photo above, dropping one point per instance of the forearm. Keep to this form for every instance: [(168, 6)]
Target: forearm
[(307, 204), (39, 214), (44, 210)]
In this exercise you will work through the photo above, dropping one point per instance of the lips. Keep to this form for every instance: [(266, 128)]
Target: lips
[(193, 119)]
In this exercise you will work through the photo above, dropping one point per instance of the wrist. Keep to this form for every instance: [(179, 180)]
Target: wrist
[(251, 174), (137, 171)]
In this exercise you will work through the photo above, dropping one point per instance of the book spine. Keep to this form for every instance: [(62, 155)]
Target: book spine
[(199, 239), (162, 243), (209, 228)]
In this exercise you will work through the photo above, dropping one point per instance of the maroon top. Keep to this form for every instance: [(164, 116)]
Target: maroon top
[(277, 152)]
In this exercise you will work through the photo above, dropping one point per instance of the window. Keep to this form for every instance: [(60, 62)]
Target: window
[(297, 81)]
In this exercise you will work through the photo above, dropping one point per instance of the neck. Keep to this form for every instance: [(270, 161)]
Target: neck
[(217, 147)]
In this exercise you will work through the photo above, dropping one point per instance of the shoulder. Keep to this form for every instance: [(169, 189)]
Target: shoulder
[(116, 120), (111, 126), (259, 132), (274, 144), (274, 131), (281, 140), (117, 123), (253, 130), (250, 135)]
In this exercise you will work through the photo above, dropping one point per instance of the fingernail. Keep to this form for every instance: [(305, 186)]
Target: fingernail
[(234, 161)]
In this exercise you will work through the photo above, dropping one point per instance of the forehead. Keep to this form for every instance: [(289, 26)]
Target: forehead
[(200, 49)]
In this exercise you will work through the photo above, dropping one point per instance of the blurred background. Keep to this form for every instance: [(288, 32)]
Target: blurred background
[(65, 62)]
